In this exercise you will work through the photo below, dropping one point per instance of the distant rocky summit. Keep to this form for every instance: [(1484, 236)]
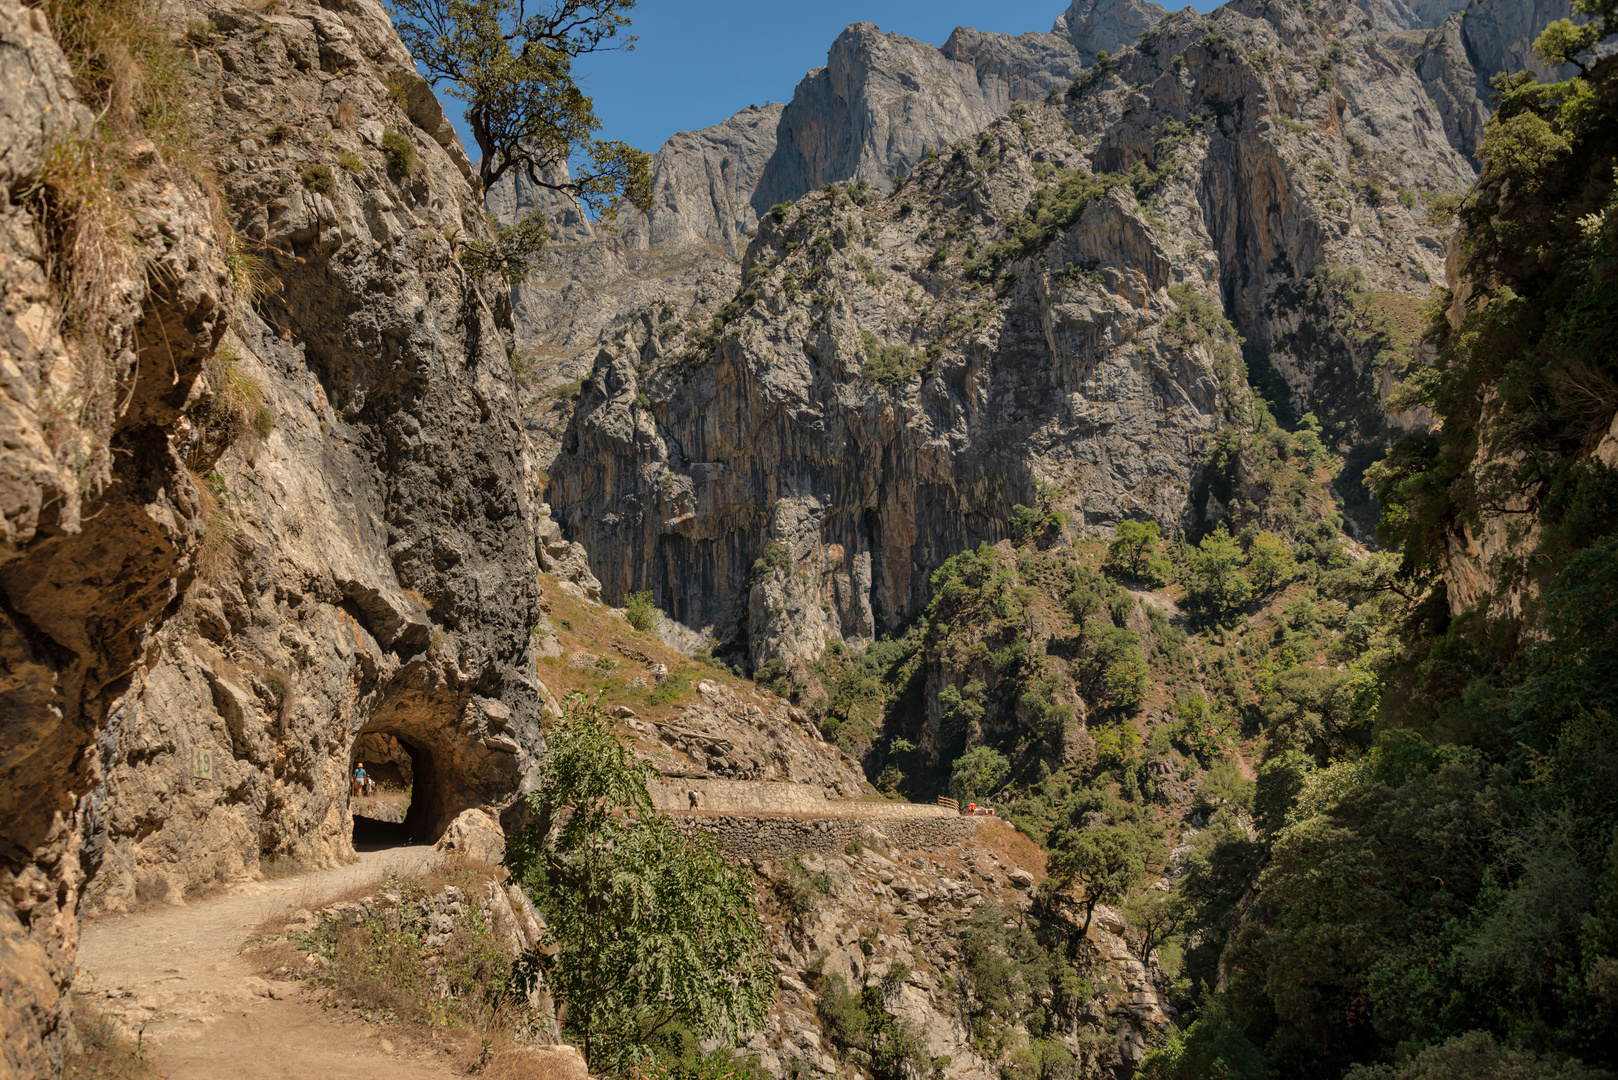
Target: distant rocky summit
[(1270, 161)]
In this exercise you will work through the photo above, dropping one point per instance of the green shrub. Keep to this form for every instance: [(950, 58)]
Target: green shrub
[(800, 891), (643, 614), (891, 366), (400, 152), (774, 677), (319, 179), (777, 557), (978, 774), (1210, 1047), (350, 161)]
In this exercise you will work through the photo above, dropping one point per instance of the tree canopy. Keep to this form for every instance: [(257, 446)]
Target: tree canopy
[(658, 932), (514, 70)]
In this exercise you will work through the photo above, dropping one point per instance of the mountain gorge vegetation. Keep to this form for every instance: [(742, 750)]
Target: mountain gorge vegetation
[(1112, 463), (1397, 760)]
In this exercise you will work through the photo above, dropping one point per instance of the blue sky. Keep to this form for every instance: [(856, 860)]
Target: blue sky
[(699, 61)]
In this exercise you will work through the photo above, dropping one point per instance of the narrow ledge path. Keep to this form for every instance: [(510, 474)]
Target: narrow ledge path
[(176, 976)]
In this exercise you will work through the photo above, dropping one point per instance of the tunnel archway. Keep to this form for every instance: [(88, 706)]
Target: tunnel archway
[(404, 807)]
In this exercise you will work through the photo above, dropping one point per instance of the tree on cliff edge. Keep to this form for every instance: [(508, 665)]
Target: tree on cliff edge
[(514, 70), (658, 932)]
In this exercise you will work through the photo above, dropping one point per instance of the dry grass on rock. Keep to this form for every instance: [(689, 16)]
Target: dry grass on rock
[(385, 956)]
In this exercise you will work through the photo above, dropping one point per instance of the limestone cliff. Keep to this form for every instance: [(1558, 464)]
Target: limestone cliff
[(871, 405), (105, 341), (878, 105), (281, 518), (378, 571)]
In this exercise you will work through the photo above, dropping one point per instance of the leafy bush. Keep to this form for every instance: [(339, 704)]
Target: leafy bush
[(1210, 1047), (400, 152), (891, 366), (643, 614), (772, 674), (893, 1047), (1270, 564), (978, 774), (1473, 1055), (319, 179), (1224, 786), (655, 926), (777, 559), (1216, 581)]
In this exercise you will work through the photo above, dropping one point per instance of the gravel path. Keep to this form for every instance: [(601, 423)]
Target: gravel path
[(175, 976)]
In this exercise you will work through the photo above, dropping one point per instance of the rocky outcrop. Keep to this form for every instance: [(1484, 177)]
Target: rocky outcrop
[(1453, 84), (754, 739), (1263, 190), (885, 914), (878, 105), (376, 561), (883, 100), (112, 310), (1094, 26)]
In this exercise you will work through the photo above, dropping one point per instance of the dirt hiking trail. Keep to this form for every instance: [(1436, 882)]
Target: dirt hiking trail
[(175, 976)]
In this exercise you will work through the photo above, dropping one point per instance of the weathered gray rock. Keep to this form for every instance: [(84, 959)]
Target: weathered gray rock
[(100, 517), (879, 103), (686, 457), (372, 565), (1410, 14), (1454, 85), (1500, 35), (1094, 26), (474, 835), (883, 100), (730, 736)]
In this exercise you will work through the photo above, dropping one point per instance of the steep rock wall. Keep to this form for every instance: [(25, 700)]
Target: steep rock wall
[(687, 457), (867, 488), (102, 520), (311, 520), (378, 567)]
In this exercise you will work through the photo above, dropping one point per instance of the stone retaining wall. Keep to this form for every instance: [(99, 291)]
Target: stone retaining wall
[(767, 836), (766, 797)]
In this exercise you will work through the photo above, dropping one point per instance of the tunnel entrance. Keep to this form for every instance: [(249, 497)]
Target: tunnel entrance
[(395, 808)]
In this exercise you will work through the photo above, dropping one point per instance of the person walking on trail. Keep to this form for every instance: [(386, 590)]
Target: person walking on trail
[(692, 794), (359, 778)]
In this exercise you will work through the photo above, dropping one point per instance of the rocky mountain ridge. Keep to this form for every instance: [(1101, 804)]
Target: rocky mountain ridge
[(865, 116), (1054, 303)]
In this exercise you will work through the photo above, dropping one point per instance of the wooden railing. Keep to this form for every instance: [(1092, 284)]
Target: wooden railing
[(945, 800)]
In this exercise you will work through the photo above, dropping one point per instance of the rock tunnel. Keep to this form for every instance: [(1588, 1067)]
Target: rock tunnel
[(430, 760), (405, 785)]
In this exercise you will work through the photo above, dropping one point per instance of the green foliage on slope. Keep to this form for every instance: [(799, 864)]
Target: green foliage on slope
[(659, 934)]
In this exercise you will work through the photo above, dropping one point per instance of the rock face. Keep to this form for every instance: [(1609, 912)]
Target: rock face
[(761, 744), (305, 518), (886, 914), (1094, 26), (882, 100), (99, 517), (863, 412), (379, 572), (879, 103), (1298, 210)]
